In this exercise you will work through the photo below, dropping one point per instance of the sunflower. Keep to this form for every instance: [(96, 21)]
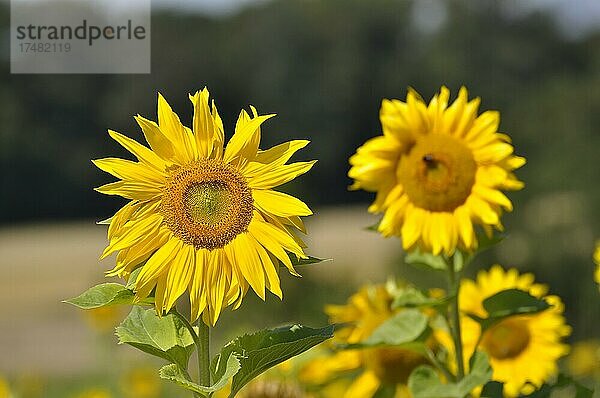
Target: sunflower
[(203, 217), (377, 368), (584, 359), (437, 170), (523, 350)]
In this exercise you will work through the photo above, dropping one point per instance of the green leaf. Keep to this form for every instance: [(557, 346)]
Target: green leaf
[(492, 389), (513, 301), (385, 391), (165, 337), (103, 295), (262, 350), (507, 303), (562, 381), (485, 242), (424, 381), (411, 297), (420, 259), (404, 327), (175, 374)]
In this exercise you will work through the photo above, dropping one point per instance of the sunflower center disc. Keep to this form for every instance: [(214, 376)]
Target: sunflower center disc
[(437, 173), (207, 204), (393, 365), (507, 339)]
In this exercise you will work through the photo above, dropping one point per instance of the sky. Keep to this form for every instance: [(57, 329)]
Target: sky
[(576, 17)]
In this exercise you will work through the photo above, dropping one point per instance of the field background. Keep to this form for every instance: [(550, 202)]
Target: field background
[(323, 67)]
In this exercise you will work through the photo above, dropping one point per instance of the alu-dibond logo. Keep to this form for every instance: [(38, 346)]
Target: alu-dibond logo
[(82, 36)]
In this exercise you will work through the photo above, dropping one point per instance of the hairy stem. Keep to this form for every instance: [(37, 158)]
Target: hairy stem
[(203, 352), (195, 337), (453, 287)]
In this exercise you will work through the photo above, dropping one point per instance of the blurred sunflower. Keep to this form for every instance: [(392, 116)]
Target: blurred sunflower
[(584, 359), (141, 382), (277, 382), (522, 349), (94, 393), (437, 170), (105, 319), (377, 368), (4, 389), (204, 217)]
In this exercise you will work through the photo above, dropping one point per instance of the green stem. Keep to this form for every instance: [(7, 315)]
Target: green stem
[(203, 353), (195, 337), (433, 359), (454, 287)]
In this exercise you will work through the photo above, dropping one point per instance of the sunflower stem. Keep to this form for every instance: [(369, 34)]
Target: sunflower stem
[(195, 337), (203, 352), (453, 288)]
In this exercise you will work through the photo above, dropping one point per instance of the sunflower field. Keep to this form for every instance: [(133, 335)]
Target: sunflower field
[(305, 199)]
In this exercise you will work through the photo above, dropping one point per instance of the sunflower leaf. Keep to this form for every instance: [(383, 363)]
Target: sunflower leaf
[(165, 337), (404, 327), (103, 295), (492, 389), (507, 303), (264, 349), (424, 381), (562, 381), (412, 297), (174, 373)]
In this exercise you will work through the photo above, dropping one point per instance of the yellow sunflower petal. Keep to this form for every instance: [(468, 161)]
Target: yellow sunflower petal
[(159, 143), (171, 127), (280, 204), (242, 138), (143, 154)]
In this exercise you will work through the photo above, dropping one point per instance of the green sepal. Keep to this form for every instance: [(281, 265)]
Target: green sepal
[(174, 373), (421, 259), (299, 262), (133, 277), (374, 227), (165, 337), (264, 349), (424, 381), (507, 303)]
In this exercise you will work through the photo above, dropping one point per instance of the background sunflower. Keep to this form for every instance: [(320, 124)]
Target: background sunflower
[(368, 371), (522, 349), (438, 170)]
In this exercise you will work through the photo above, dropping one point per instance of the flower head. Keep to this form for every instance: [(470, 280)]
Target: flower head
[(204, 217), (524, 349), (438, 169)]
